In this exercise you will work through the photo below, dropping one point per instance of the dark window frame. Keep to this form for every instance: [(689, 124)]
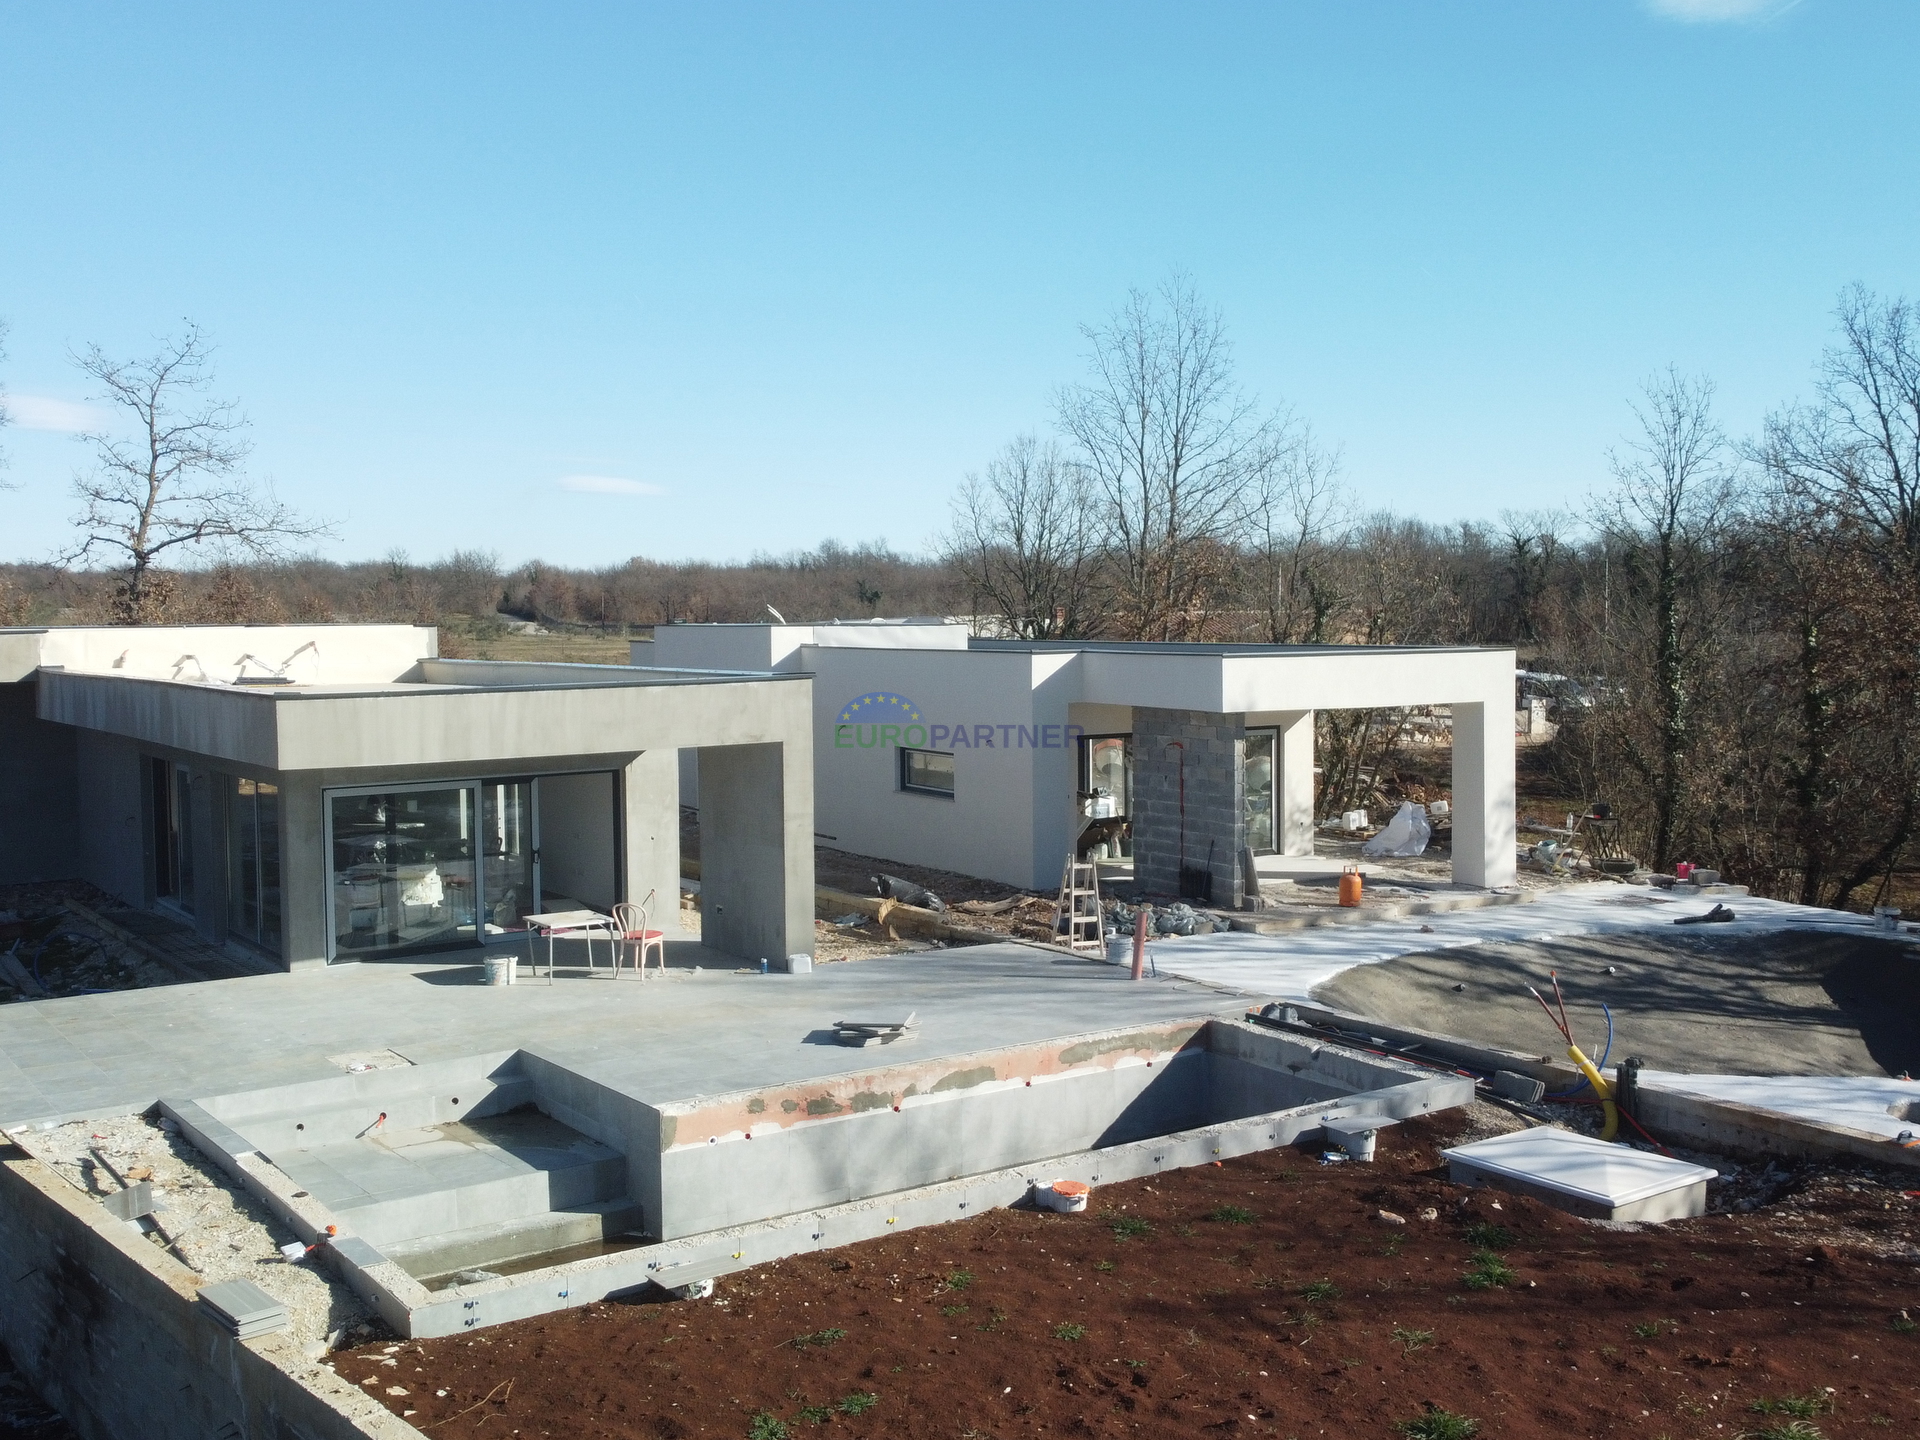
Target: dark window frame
[(906, 770)]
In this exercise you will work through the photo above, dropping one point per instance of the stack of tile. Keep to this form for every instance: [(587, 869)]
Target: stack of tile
[(873, 1032), (243, 1308)]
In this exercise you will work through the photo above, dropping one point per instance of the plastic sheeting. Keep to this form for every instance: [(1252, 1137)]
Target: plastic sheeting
[(1406, 834)]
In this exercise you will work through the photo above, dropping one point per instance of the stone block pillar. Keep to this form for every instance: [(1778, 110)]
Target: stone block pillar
[(1202, 755)]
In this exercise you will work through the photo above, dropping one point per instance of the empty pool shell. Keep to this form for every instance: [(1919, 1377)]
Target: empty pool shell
[(535, 1157)]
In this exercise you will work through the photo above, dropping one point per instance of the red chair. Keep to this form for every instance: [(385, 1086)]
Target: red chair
[(631, 934)]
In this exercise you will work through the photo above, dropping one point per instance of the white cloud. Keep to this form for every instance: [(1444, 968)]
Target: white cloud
[(43, 412), (608, 485), (1709, 11)]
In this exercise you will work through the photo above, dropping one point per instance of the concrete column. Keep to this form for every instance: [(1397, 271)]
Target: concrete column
[(756, 850), (1483, 794), (1293, 785), (208, 799), (306, 880), (650, 836)]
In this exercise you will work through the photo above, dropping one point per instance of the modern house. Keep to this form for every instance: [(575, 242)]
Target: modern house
[(992, 757), (327, 793)]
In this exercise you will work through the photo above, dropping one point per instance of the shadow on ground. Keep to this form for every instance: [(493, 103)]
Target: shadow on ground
[(1792, 1003)]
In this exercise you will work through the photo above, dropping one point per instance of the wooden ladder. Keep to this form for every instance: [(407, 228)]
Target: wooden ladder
[(1077, 915)]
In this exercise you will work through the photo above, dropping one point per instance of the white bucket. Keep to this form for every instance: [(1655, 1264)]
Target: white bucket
[(1065, 1196), (500, 969), (1358, 1135), (1886, 917), (1354, 820)]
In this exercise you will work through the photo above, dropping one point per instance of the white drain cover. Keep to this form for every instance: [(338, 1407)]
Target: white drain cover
[(1579, 1165)]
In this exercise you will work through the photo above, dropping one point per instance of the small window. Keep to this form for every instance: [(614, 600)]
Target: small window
[(928, 771)]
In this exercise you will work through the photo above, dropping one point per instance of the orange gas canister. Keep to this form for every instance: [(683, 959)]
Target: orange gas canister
[(1350, 886)]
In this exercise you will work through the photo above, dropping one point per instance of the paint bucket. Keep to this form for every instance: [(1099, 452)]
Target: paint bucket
[(1065, 1196), (1439, 808), (1353, 820), (1350, 886), (1886, 917), (1682, 870), (500, 969)]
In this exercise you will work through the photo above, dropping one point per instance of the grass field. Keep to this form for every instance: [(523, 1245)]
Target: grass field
[(462, 637)]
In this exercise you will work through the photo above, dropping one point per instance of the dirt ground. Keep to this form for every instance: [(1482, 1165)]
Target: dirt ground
[(1805, 1003), (1262, 1296)]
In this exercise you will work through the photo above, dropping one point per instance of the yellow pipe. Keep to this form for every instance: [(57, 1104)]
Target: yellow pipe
[(1600, 1088)]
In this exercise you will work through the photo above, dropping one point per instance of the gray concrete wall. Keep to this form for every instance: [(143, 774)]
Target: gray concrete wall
[(40, 836), (650, 844), (522, 728), (578, 848), (756, 849), (105, 1326), (1210, 755), (305, 872), (113, 814)]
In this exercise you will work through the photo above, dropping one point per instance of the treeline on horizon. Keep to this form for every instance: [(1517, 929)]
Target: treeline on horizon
[(1736, 616)]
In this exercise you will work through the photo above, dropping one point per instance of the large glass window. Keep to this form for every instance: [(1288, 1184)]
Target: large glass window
[(928, 771), (403, 870), (507, 854), (1262, 752), (172, 833), (1106, 776), (253, 864)]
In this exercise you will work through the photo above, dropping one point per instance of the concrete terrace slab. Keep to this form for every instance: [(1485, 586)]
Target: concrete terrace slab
[(1288, 966), (693, 1033)]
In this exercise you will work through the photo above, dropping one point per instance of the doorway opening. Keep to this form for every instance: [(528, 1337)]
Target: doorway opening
[(447, 864)]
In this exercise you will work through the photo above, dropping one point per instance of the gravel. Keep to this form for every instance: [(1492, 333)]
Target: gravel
[(208, 1222)]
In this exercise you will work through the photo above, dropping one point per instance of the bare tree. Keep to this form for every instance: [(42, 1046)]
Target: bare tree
[(1533, 545), (1175, 453), (1291, 528), (178, 480), (1856, 450), (1673, 496), (1022, 539)]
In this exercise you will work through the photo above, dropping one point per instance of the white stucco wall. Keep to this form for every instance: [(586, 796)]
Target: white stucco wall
[(311, 654), (989, 826)]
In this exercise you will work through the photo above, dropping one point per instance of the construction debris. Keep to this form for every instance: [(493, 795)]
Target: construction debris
[(892, 887)]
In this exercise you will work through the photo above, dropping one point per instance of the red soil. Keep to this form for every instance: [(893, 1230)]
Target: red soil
[(1213, 1320)]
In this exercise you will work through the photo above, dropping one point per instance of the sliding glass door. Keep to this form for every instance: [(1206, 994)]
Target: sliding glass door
[(510, 855), (253, 864), (403, 873)]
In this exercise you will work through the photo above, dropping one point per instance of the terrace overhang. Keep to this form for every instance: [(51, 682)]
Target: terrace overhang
[(447, 712)]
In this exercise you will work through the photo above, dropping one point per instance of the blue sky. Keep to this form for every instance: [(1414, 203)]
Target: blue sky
[(773, 274)]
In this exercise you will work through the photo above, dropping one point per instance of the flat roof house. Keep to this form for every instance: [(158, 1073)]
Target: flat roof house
[(337, 792), (989, 757)]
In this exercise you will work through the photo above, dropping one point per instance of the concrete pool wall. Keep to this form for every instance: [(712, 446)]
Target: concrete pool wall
[(717, 1183)]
